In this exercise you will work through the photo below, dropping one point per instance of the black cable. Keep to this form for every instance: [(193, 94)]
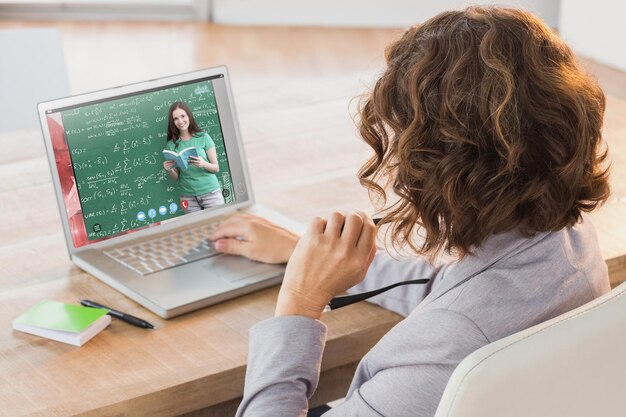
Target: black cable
[(346, 300)]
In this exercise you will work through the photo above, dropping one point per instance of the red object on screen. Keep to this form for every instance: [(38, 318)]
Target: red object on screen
[(68, 183)]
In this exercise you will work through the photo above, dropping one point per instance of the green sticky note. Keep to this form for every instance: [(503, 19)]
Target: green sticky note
[(54, 315)]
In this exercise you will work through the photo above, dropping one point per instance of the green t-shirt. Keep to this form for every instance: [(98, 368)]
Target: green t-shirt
[(195, 181)]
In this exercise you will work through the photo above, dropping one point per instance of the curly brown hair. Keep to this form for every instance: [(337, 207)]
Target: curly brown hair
[(482, 123)]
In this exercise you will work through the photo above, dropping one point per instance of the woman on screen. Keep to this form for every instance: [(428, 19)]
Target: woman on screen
[(195, 173)]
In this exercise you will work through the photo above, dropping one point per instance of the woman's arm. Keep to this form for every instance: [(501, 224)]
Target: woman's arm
[(260, 240), (255, 238), (284, 359), (330, 257), (403, 375), (285, 352)]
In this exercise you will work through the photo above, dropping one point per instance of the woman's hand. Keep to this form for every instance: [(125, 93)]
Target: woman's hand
[(197, 161), (201, 163), (255, 238), (168, 165), (332, 256)]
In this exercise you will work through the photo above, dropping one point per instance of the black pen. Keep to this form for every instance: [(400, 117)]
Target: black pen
[(135, 321)]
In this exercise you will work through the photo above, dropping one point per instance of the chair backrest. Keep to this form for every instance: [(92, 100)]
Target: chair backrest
[(32, 70), (571, 366)]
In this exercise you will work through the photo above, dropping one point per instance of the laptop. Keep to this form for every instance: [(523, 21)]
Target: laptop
[(126, 220)]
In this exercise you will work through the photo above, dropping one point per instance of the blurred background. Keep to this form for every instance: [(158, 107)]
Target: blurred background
[(593, 29)]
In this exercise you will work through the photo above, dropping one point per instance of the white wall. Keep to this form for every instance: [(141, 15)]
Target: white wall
[(96, 10), (595, 29), (363, 13), (32, 70)]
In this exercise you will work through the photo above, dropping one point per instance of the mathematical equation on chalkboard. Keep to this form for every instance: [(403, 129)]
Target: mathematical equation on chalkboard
[(116, 148)]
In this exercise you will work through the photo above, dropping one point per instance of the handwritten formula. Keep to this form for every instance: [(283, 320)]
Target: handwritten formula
[(116, 149)]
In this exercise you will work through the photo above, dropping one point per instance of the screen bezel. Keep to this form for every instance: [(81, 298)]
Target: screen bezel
[(240, 202)]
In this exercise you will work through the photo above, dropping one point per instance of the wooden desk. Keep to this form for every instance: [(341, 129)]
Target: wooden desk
[(303, 154), (188, 363)]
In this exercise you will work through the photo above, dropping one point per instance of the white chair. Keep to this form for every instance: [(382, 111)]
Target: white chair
[(32, 70), (571, 366)]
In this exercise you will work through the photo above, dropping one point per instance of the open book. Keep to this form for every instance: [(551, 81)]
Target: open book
[(182, 157), (65, 323)]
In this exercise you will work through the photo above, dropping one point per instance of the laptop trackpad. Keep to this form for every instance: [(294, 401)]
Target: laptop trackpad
[(234, 268)]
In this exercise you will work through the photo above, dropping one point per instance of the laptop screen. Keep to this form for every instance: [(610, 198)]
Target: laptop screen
[(130, 162)]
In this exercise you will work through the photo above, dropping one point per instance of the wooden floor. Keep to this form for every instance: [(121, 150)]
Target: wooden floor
[(307, 77)]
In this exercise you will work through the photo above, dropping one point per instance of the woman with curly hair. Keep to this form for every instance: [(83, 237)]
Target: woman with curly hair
[(490, 135)]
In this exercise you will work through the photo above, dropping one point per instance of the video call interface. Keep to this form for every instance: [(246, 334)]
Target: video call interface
[(110, 160)]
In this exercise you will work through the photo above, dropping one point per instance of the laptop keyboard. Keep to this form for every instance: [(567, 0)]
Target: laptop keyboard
[(167, 251)]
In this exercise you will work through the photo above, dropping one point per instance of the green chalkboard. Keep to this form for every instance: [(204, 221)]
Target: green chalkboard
[(116, 149)]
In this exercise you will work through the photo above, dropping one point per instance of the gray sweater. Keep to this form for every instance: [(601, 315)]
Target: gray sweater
[(509, 284)]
